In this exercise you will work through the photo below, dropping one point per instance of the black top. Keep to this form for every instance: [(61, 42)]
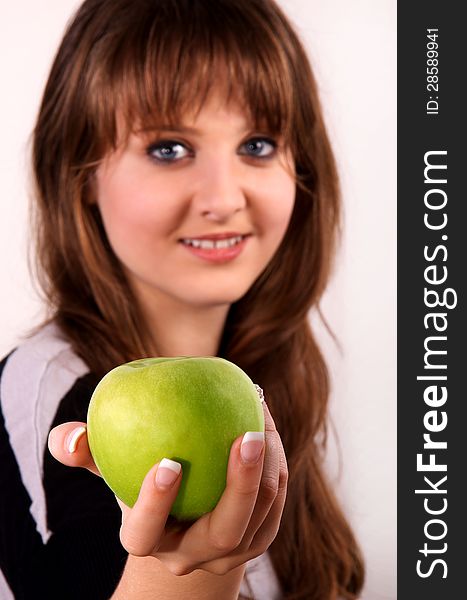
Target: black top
[(59, 526)]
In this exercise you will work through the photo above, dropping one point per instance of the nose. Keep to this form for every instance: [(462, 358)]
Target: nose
[(220, 193)]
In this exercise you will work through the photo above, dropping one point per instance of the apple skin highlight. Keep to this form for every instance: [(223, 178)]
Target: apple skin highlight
[(187, 409)]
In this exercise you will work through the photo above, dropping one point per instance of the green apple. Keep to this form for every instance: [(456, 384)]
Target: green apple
[(188, 409)]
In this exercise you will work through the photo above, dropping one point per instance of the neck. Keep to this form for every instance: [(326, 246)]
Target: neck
[(180, 330)]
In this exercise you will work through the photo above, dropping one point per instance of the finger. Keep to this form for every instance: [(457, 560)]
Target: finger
[(269, 486), (268, 490), (143, 525), (223, 528), (261, 540), (269, 423), (270, 526), (229, 520), (263, 537), (228, 523), (269, 478), (68, 443)]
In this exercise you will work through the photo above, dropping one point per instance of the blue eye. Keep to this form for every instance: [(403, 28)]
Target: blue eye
[(259, 147), (167, 151)]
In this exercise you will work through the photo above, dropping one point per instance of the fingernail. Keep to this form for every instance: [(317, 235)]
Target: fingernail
[(74, 437), (252, 445), (167, 473)]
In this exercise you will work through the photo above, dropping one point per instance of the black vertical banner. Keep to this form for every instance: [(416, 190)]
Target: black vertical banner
[(432, 310)]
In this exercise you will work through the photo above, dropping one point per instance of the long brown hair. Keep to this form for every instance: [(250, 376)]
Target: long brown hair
[(148, 61)]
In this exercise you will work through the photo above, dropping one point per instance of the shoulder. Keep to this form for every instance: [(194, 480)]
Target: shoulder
[(34, 381), (37, 374), (35, 377), (46, 356)]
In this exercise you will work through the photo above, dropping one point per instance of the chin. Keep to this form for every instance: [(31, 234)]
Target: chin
[(217, 297), (215, 300), (217, 288)]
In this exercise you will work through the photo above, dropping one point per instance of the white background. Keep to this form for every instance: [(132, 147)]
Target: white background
[(353, 50)]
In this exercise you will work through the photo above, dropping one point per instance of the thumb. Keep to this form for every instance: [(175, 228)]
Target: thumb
[(68, 443)]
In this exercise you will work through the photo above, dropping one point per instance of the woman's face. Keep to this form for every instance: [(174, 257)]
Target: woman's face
[(196, 213)]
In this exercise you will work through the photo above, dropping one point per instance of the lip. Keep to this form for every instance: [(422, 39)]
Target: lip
[(217, 255), (215, 236)]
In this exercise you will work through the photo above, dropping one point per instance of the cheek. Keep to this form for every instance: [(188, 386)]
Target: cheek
[(119, 202), (122, 218), (134, 215), (277, 204)]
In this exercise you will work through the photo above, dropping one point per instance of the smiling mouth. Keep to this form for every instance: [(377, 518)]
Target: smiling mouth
[(211, 244)]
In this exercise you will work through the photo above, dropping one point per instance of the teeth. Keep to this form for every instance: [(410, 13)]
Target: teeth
[(211, 244)]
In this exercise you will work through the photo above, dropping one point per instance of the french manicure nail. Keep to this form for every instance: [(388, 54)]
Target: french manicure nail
[(74, 437), (252, 445), (167, 473)]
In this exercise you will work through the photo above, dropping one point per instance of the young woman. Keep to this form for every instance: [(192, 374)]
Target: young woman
[(186, 204)]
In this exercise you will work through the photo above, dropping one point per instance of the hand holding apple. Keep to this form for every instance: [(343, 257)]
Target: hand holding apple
[(185, 409), (241, 527)]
